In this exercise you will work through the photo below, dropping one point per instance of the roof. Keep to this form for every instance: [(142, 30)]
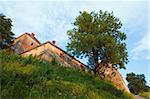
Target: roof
[(30, 36), (54, 46)]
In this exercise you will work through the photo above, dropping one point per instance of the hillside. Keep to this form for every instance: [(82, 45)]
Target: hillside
[(31, 78)]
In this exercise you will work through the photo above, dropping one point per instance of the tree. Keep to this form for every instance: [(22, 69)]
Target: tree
[(91, 63), (137, 83), (98, 36), (6, 35)]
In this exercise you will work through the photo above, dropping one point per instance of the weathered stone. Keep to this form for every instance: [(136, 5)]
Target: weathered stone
[(112, 74)]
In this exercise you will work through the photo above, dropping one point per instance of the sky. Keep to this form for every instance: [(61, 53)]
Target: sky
[(50, 20)]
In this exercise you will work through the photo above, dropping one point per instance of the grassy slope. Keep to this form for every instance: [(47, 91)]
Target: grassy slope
[(145, 94), (28, 77)]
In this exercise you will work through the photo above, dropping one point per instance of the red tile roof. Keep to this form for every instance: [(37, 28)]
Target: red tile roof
[(30, 36)]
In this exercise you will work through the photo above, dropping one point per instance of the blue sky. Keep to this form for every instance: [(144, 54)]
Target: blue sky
[(50, 20)]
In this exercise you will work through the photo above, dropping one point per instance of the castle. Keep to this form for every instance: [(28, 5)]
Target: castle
[(27, 44)]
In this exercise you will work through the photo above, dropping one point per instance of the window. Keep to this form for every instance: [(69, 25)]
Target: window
[(62, 56), (31, 44), (81, 66)]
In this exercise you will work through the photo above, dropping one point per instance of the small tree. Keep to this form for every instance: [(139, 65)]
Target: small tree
[(137, 83), (6, 35), (98, 36)]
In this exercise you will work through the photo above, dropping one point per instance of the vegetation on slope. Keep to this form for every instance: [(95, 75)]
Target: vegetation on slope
[(137, 88), (31, 78), (146, 95)]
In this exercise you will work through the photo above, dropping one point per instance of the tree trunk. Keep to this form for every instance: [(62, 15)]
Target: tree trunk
[(95, 57)]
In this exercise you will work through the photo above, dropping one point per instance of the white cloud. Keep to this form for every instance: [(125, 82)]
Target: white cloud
[(148, 58), (51, 20), (39, 17), (134, 57), (143, 46)]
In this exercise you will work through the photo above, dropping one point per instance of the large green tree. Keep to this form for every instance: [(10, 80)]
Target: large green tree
[(137, 83), (98, 35), (6, 35)]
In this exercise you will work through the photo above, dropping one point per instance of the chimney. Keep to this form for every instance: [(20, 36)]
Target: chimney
[(32, 34), (53, 42)]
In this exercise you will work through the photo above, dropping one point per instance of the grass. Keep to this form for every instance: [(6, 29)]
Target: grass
[(31, 78), (145, 94)]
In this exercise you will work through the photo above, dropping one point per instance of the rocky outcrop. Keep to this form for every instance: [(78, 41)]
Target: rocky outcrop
[(112, 74)]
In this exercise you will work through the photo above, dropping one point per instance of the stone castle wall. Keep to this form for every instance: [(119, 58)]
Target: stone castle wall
[(112, 74)]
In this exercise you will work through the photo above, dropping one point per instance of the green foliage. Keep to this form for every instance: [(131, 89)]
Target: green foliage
[(31, 78), (98, 35), (137, 83), (6, 35), (145, 94)]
